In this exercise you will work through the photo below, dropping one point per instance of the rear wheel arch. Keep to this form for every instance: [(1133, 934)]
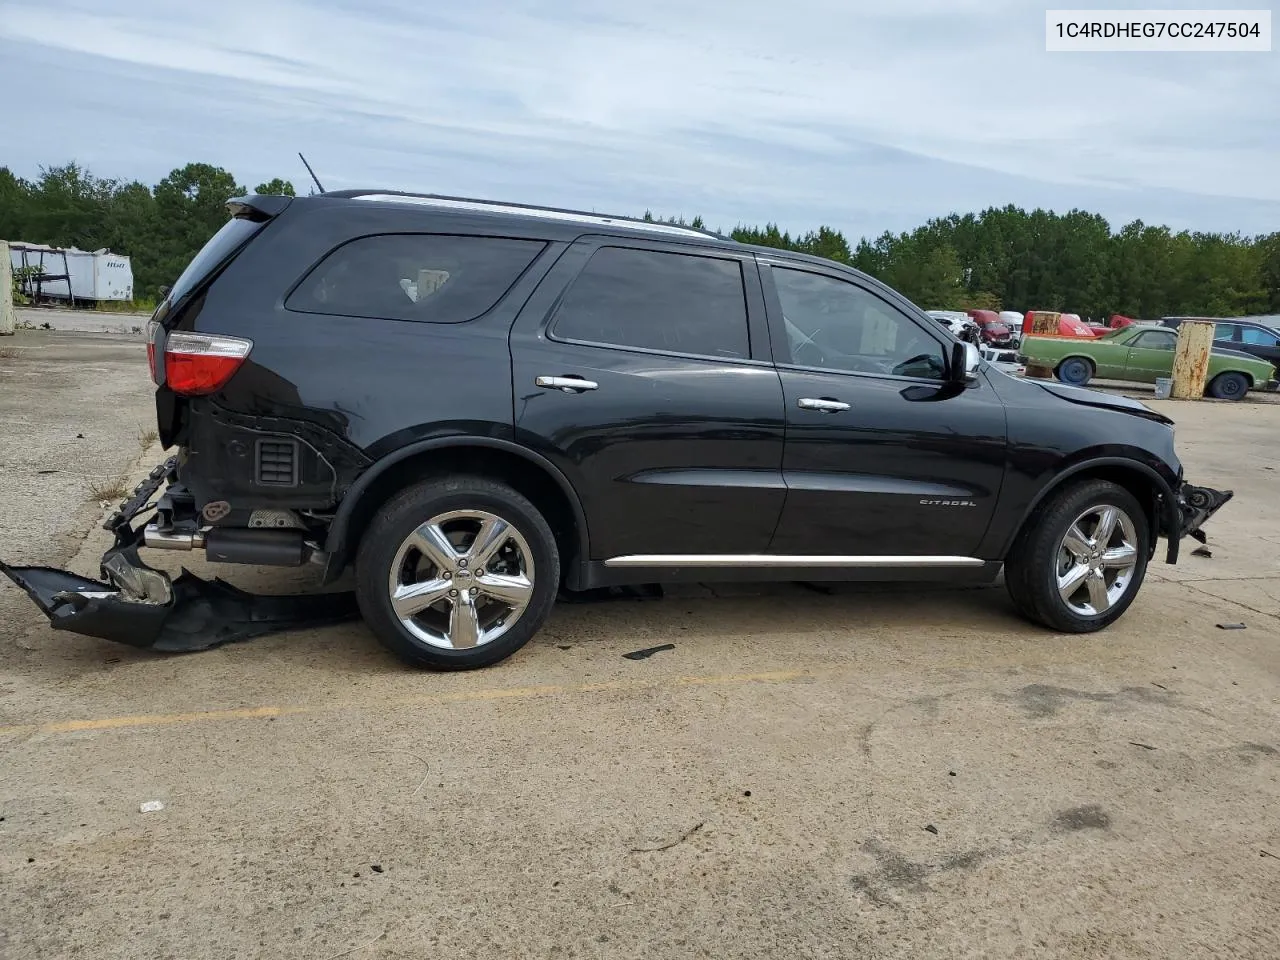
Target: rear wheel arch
[(526, 472), (1133, 475)]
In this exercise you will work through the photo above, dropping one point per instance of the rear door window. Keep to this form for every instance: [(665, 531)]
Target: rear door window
[(672, 302), (430, 278)]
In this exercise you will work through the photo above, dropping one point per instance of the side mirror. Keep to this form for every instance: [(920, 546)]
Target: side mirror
[(965, 360)]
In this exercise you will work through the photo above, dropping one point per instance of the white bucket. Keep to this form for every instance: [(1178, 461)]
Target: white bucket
[(1164, 386)]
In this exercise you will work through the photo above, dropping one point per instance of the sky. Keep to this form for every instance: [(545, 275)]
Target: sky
[(863, 116)]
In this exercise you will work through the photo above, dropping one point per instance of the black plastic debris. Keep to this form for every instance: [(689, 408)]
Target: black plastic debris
[(376, 867), (199, 615), (1231, 626), (931, 829), (1202, 552), (648, 652), (140, 606), (1144, 746)]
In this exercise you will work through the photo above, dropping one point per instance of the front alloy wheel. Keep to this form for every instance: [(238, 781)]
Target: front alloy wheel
[(1080, 557), (1096, 560)]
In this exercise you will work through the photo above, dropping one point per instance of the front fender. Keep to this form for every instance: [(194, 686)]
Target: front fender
[(1165, 511)]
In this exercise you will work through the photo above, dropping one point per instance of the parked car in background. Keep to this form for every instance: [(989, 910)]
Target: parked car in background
[(1247, 336), (1006, 361), (960, 325), (994, 331), (1013, 320), (1141, 354)]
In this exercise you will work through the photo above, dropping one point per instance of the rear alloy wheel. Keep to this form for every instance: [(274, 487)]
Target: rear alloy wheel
[(1081, 558), (1229, 386), (1075, 371), (457, 573)]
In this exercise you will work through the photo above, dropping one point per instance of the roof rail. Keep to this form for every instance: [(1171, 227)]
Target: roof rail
[(526, 210)]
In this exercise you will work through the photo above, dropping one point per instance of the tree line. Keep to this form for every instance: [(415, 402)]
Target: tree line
[(160, 228), (1002, 257)]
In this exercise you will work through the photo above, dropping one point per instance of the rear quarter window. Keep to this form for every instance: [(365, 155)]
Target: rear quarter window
[(233, 235), (431, 278)]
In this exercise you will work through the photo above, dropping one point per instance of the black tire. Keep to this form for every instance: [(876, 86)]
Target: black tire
[(1229, 386), (1032, 567), (1076, 371), (415, 506)]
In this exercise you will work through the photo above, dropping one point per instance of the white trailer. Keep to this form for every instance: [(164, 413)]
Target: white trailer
[(70, 274)]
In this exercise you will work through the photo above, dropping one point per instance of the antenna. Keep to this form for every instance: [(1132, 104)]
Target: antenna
[(310, 171)]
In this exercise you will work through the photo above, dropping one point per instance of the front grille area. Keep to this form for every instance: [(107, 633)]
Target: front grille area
[(277, 463)]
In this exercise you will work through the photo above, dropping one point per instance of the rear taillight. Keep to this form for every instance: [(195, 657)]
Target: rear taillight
[(200, 363)]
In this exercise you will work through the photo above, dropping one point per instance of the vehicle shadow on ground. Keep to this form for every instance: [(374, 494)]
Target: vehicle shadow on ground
[(713, 620)]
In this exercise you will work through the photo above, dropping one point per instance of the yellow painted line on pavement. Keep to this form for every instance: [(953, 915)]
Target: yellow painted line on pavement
[(463, 696)]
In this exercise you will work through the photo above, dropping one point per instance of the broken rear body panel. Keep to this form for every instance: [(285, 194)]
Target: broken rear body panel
[(143, 607)]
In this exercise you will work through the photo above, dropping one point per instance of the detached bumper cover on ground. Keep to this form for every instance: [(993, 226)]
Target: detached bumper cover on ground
[(144, 607)]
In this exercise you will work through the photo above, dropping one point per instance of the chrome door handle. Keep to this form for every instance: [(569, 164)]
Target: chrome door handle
[(823, 406), (567, 384)]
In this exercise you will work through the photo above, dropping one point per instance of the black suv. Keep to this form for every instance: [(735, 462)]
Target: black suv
[(479, 405)]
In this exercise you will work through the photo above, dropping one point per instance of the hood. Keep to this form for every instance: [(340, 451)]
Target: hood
[(1096, 398)]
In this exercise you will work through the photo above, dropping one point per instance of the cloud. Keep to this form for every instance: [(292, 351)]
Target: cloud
[(862, 116)]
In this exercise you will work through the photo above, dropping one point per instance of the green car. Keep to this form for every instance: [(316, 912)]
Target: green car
[(1143, 353)]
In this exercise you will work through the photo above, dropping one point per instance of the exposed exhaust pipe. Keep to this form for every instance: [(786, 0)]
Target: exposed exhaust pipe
[(268, 548), (153, 536)]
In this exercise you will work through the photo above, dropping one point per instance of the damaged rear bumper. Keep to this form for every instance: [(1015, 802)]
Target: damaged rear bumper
[(137, 605)]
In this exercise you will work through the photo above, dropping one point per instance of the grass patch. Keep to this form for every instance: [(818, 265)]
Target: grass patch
[(109, 490), (142, 305), (146, 437)]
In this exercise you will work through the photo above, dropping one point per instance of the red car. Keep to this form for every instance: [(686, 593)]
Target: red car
[(995, 332)]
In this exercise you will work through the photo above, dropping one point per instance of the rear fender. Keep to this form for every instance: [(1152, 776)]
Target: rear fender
[(340, 544)]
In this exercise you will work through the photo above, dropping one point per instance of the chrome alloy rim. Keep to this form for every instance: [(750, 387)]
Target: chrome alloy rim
[(1096, 560), (461, 580)]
